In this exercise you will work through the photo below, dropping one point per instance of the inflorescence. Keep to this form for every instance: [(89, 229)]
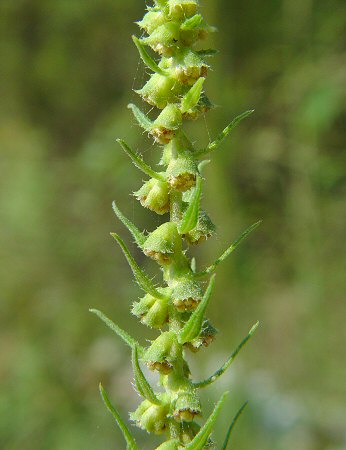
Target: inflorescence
[(175, 31)]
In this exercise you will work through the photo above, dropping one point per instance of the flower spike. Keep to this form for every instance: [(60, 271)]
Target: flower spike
[(176, 309)]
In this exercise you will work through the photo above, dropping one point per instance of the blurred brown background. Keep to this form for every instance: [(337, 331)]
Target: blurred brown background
[(68, 68)]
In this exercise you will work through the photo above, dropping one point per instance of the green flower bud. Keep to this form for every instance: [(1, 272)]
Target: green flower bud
[(152, 20), (154, 195), (164, 38), (188, 67), (162, 353), (163, 129), (162, 243), (172, 444), (160, 90), (202, 231), (205, 338), (182, 172), (152, 311), (182, 9), (194, 29), (150, 417), (186, 295), (187, 406)]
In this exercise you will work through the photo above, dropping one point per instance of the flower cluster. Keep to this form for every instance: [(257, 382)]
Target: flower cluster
[(174, 31)]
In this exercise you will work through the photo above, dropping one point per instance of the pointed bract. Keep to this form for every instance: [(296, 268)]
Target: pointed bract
[(193, 326), (231, 427), (142, 384), (201, 438), (226, 365), (131, 443), (141, 277)]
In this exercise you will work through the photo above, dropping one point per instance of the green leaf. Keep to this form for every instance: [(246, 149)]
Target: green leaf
[(192, 97), (139, 163), (130, 341), (141, 118), (192, 23), (230, 249), (222, 136), (141, 277), (138, 236), (230, 429), (223, 369), (142, 384), (146, 58), (193, 326), (199, 441), (190, 217), (131, 443)]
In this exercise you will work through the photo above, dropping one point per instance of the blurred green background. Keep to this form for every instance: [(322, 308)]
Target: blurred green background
[(68, 68)]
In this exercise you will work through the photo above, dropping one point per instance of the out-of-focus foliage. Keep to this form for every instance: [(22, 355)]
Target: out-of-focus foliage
[(67, 70)]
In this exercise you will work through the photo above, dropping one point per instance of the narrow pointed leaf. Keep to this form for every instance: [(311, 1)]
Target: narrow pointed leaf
[(192, 97), (129, 340), (146, 58), (131, 443), (230, 249), (222, 136), (141, 118), (142, 384), (192, 23), (231, 427), (199, 441), (138, 236), (141, 277), (223, 369), (139, 163), (190, 217), (193, 326)]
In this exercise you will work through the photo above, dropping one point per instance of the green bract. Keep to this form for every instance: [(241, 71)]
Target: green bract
[(176, 308)]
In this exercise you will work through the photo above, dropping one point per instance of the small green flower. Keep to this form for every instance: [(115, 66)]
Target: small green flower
[(154, 195), (187, 406), (163, 353), (186, 295), (164, 128), (162, 243), (182, 172), (205, 338), (152, 311), (150, 417)]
